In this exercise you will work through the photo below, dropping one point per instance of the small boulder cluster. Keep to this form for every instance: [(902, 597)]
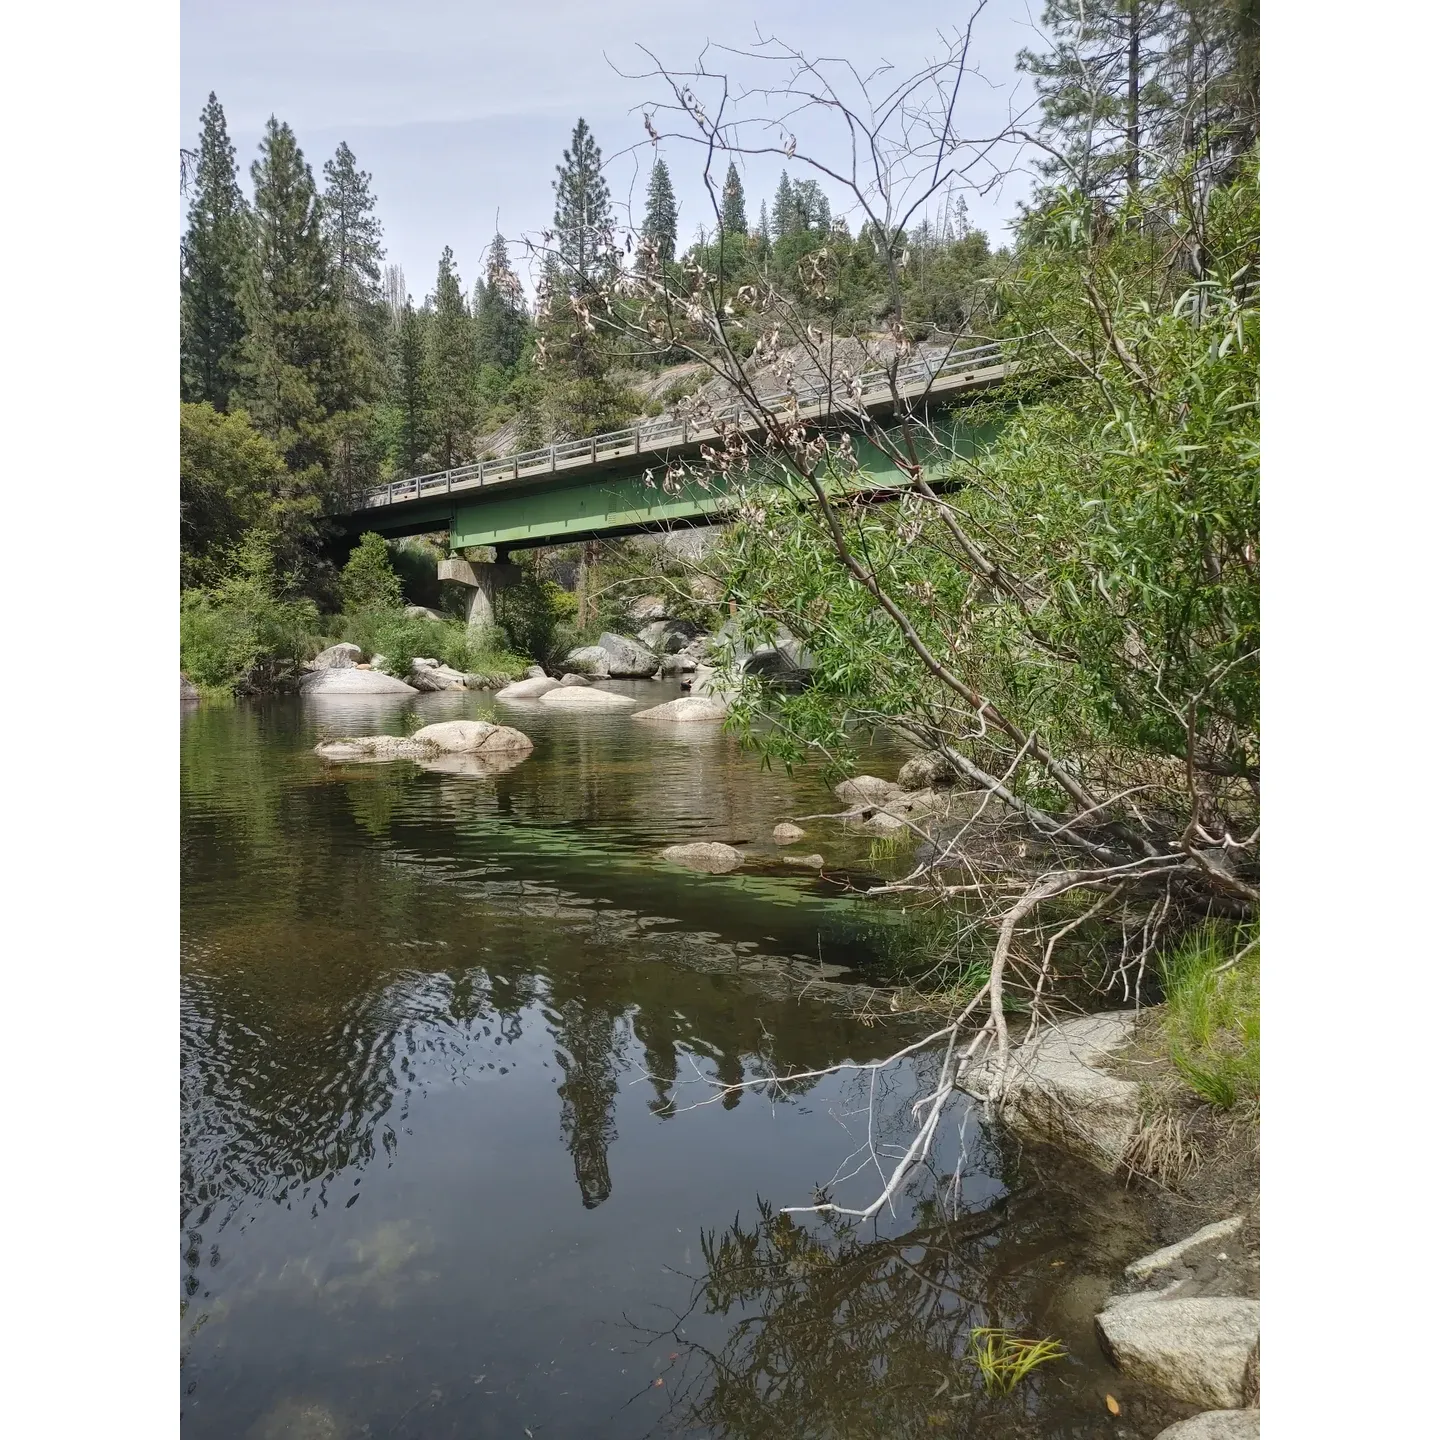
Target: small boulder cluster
[(343, 669), (481, 748)]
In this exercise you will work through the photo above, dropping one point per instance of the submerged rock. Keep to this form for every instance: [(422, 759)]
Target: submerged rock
[(374, 747), (707, 855), (811, 862), (337, 657), (351, 681), (1198, 1348), (787, 834), (529, 689), (585, 697), (1215, 1425), (688, 709), (1209, 1262), (1055, 1094)]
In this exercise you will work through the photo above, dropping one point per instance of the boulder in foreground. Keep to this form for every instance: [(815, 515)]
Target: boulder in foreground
[(350, 681), (530, 689), (585, 697), (1215, 1425), (1198, 1348), (709, 856), (686, 710)]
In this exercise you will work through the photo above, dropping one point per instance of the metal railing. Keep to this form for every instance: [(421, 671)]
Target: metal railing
[(870, 388)]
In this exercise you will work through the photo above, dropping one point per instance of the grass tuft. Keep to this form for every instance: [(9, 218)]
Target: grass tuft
[(1004, 1359)]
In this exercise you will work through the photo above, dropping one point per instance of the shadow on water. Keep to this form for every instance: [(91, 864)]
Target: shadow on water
[(451, 1164)]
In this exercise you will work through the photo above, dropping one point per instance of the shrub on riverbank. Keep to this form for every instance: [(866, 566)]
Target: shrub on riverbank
[(400, 638), (1212, 1014)]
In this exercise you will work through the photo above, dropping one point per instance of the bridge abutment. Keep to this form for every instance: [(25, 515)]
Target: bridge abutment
[(484, 580)]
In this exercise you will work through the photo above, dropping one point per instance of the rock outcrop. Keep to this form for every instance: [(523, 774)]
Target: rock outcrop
[(627, 659), (350, 681), (337, 657), (529, 689), (1198, 1348), (708, 856), (687, 710), (585, 697), (648, 607), (1054, 1093)]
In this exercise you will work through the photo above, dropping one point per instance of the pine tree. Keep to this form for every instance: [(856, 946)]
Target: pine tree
[(299, 357), (783, 214), (410, 389), (583, 222), (353, 230), (762, 235), (812, 209), (501, 321), (1098, 95), (451, 356), (212, 268), (661, 216), (732, 210)]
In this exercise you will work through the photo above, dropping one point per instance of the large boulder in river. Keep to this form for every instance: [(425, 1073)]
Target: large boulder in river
[(585, 697), (1198, 1348), (588, 660), (686, 710), (627, 659), (187, 690), (1215, 1425), (338, 657), (353, 682), (708, 856), (473, 736), (531, 689)]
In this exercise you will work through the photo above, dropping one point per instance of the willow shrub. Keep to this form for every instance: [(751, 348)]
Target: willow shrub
[(1121, 492)]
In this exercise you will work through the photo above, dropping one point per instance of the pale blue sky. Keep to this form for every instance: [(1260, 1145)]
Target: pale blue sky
[(462, 109)]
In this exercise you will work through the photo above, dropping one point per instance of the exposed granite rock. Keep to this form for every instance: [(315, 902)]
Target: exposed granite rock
[(707, 855)]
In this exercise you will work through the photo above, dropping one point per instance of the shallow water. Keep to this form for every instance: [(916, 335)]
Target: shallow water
[(451, 1162)]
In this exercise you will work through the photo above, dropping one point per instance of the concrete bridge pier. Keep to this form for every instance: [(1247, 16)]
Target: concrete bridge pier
[(484, 581)]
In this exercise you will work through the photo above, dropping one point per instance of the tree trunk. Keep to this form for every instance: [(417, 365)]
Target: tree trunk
[(1132, 112)]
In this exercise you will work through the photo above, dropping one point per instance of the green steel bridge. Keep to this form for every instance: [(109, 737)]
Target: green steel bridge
[(612, 484)]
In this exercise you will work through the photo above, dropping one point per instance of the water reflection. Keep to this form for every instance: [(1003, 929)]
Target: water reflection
[(426, 1012)]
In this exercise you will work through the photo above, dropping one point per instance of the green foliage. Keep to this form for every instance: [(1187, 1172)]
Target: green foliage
[(353, 229), (661, 216), (732, 213), (244, 633), (1004, 1360), (502, 325), (369, 581), (451, 359), (400, 638), (1212, 1013), (583, 222), (412, 398), (534, 613), (212, 263), (231, 479)]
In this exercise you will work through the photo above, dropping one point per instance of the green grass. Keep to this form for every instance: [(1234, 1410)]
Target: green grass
[(1005, 1359), (1212, 1013)]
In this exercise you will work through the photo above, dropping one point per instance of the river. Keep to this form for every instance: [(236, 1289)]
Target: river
[(453, 1161)]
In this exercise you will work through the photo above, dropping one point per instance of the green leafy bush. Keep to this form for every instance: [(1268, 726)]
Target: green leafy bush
[(369, 581), (400, 638), (243, 634)]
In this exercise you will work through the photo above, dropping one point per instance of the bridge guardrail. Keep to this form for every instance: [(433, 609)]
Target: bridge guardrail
[(647, 435)]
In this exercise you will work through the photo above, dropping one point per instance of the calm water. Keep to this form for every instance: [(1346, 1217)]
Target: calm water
[(446, 1172)]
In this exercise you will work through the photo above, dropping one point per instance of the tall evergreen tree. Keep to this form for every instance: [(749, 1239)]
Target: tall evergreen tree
[(212, 268), (583, 222), (762, 234), (501, 321), (732, 207), (353, 230), (661, 215), (1098, 91), (452, 367), (299, 357), (410, 388), (812, 209), (783, 214)]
